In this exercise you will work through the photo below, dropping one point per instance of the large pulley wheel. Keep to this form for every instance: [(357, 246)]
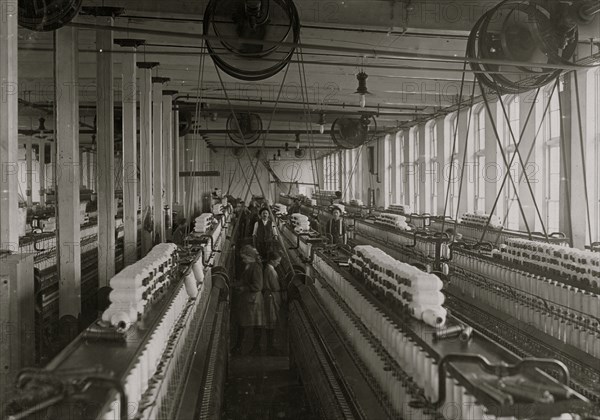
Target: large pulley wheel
[(244, 128), (519, 32), (251, 35), (47, 15)]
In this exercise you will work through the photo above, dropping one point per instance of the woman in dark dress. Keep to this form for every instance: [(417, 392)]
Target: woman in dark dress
[(251, 306), (272, 298)]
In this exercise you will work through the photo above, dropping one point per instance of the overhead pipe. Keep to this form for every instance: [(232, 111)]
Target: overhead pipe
[(586, 13), (363, 52), (277, 147), (290, 131), (414, 110), (308, 62)]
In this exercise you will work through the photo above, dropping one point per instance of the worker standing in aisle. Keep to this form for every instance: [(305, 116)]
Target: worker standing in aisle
[(336, 228), (273, 299), (242, 214), (314, 223), (264, 234), (251, 219), (251, 302), (295, 207)]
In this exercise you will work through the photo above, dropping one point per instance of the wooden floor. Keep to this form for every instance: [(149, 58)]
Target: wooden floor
[(263, 387)]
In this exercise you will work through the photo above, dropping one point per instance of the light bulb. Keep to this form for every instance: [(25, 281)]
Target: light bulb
[(363, 101), (322, 128)]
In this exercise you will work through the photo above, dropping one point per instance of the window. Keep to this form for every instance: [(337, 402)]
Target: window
[(414, 169), (400, 178), (510, 203), (479, 159), (331, 172), (596, 187), (432, 170), (388, 171), (337, 169), (452, 167), (552, 162), (348, 189)]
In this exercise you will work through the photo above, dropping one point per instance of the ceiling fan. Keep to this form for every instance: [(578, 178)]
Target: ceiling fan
[(350, 133)]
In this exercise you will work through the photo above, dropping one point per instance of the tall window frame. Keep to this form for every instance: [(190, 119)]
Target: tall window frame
[(432, 175), (596, 187), (509, 208), (480, 116), (414, 179), (552, 161), (452, 167), (400, 169)]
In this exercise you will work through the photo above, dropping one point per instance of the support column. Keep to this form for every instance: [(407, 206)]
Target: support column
[(167, 108), (146, 170), (178, 145), (42, 162), (130, 161), (9, 111), (29, 172), (105, 152), (66, 173), (157, 158)]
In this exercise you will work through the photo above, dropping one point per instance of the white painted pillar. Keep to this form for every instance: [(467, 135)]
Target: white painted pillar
[(66, 174), (9, 111), (105, 152), (130, 160), (167, 108), (157, 158), (146, 170), (178, 145)]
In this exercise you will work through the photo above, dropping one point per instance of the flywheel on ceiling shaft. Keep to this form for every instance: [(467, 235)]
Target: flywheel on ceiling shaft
[(47, 15), (244, 128), (251, 34), (522, 36)]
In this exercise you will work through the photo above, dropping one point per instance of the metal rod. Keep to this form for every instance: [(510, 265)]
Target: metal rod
[(332, 147), (308, 62), (363, 52)]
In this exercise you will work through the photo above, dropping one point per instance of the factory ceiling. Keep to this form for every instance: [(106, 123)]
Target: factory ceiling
[(413, 53)]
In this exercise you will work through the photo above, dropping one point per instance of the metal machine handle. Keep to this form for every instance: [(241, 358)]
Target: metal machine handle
[(500, 370)]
